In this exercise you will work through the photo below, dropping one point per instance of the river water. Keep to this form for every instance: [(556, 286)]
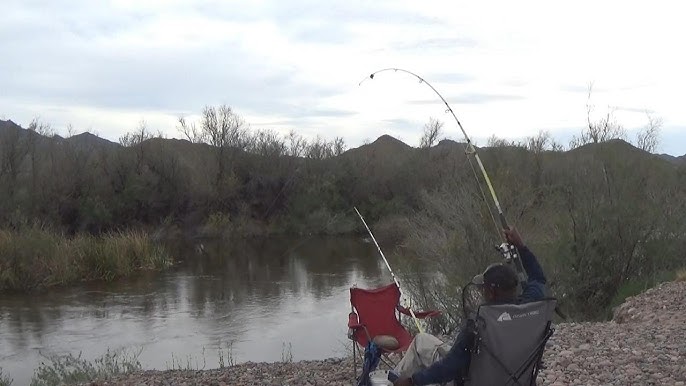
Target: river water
[(268, 299)]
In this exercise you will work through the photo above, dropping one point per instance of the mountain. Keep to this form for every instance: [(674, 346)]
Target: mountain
[(86, 140), (681, 160), (8, 125)]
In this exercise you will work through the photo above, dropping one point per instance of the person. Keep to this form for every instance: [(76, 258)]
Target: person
[(429, 361)]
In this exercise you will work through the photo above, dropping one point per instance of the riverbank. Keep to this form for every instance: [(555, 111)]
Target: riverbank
[(644, 344), (36, 258)]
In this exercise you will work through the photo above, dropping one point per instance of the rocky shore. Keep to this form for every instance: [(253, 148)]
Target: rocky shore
[(644, 344)]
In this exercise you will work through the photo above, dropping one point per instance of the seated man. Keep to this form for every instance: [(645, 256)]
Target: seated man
[(430, 361)]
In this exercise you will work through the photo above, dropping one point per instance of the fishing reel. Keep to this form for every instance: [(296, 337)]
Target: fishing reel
[(508, 251), (511, 256)]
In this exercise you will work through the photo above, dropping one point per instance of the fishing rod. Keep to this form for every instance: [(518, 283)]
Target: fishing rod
[(508, 251), (395, 279)]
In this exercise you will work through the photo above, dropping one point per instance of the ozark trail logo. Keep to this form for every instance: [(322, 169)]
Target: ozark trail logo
[(504, 317)]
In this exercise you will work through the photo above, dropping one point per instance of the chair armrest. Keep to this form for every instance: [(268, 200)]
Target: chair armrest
[(353, 321), (419, 314)]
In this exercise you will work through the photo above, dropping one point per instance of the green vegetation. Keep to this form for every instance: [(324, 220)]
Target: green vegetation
[(605, 218), (601, 213), (34, 258), (680, 275), (69, 369), (188, 364)]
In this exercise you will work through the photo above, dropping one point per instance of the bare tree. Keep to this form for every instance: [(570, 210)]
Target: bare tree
[(267, 143), (190, 131), (37, 129), (13, 149), (597, 131), (296, 144), (319, 149), (136, 137), (41, 128), (222, 127), (648, 138), (135, 140), (494, 141), (556, 146), (540, 142), (226, 131), (339, 146), (433, 131)]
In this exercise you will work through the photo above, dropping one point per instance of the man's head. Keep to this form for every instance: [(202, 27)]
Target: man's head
[(498, 283)]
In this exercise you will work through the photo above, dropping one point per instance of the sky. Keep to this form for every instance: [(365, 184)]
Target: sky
[(507, 68)]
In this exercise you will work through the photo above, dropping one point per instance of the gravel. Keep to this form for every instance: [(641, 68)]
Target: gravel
[(644, 344)]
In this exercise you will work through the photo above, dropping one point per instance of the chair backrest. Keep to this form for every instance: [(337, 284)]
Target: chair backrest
[(509, 342), (376, 309)]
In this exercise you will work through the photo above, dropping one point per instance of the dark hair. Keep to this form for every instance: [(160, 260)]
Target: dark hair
[(500, 276)]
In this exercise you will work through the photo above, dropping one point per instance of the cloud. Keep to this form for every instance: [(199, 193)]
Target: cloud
[(634, 109), (435, 43), (474, 98), (450, 78), (297, 63), (401, 124), (578, 89), (598, 89)]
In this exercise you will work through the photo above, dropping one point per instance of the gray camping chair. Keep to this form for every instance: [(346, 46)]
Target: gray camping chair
[(509, 341)]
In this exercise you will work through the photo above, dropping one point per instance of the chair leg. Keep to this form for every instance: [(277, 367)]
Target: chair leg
[(386, 359), (354, 361)]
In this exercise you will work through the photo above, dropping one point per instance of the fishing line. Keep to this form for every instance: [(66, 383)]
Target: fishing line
[(395, 279)]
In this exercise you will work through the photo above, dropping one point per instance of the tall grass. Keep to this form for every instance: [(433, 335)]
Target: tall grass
[(5, 380), (680, 275), (38, 258), (69, 369)]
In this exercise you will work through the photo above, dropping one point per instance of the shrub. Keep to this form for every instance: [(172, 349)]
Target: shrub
[(36, 258)]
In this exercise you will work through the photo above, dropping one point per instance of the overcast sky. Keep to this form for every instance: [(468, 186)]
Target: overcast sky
[(507, 68)]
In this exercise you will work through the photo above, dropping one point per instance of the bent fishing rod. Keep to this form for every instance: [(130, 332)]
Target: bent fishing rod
[(395, 279), (508, 251)]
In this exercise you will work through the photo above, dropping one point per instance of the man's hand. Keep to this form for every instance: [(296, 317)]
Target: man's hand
[(513, 237), (403, 382)]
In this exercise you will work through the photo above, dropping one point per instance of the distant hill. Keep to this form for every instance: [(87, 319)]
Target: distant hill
[(385, 147), (9, 126), (91, 140), (675, 160)]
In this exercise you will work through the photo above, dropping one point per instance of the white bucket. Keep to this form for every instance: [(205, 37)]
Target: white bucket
[(379, 378)]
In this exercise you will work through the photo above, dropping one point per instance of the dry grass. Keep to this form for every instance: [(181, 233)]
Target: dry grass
[(680, 275), (37, 258)]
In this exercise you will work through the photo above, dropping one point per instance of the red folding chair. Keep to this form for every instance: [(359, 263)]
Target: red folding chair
[(376, 314)]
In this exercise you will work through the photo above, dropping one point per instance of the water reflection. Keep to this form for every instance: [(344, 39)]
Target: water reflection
[(257, 293)]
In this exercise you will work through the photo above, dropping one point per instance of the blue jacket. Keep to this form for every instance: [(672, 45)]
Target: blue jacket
[(452, 365)]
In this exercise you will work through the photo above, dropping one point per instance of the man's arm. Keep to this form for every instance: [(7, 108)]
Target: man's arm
[(533, 269), (535, 285), (449, 367)]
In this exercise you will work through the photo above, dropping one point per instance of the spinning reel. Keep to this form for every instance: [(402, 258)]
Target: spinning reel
[(511, 256)]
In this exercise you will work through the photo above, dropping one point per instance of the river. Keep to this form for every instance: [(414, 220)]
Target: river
[(255, 300)]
